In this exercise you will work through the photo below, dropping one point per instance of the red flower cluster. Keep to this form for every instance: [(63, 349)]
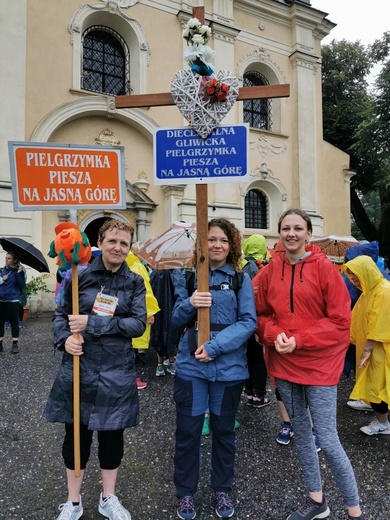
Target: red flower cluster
[(215, 90)]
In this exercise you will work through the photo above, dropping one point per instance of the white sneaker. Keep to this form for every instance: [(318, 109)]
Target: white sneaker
[(374, 428), (359, 405), (160, 370), (171, 369), (69, 511), (111, 508)]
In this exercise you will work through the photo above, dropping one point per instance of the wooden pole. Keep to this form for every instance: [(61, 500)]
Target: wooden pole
[(76, 377), (202, 266)]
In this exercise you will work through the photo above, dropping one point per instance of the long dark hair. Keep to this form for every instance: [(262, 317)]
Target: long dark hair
[(234, 237)]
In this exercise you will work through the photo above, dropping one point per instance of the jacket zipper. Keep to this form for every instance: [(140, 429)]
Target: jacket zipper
[(292, 288)]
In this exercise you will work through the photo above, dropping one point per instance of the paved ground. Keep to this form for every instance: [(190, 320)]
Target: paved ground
[(268, 479)]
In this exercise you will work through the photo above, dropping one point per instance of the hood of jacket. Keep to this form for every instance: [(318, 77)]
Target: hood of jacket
[(366, 270), (371, 249), (255, 247), (132, 259)]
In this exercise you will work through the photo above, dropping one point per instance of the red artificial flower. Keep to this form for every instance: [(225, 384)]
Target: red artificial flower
[(215, 91)]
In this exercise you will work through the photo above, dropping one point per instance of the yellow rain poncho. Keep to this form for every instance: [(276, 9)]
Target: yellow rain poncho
[(152, 307), (370, 321)]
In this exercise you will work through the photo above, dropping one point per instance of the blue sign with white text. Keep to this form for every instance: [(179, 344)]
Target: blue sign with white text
[(181, 156)]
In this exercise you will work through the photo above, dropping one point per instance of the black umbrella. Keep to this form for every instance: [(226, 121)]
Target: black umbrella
[(25, 253)]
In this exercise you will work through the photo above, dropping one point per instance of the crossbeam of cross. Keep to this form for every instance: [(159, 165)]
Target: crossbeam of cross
[(165, 99)]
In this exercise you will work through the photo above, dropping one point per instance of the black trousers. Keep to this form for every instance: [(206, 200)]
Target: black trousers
[(110, 450), (380, 407), (256, 384), (9, 311)]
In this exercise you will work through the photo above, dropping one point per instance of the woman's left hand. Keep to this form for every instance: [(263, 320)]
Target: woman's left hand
[(77, 322), (201, 354)]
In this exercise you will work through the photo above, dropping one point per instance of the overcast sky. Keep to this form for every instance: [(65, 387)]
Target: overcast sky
[(356, 20)]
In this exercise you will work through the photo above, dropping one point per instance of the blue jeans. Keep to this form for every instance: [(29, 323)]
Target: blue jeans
[(322, 401), (192, 398)]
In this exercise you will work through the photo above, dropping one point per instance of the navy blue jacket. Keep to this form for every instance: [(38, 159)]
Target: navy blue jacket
[(108, 389), (11, 289)]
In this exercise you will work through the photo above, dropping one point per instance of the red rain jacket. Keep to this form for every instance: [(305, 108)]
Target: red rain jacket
[(308, 300)]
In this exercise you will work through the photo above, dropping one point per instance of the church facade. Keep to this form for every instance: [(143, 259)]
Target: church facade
[(64, 63)]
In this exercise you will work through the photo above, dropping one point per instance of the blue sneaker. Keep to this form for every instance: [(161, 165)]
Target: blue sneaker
[(286, 434), (186, 508), (224, 506)]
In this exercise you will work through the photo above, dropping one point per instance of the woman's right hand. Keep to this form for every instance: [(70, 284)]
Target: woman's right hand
[(285, 345), (200, 299), (74, 346)]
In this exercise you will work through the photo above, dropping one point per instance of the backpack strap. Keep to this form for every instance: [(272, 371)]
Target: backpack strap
[(235, 285)]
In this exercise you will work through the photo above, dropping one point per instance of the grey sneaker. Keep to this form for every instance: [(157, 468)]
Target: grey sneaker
[(111, 508), (160, 370), (311, 510), (171, 369), (375, 427), (69, 511)]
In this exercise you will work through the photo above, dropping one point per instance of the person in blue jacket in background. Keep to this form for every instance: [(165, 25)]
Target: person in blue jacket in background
[(12, 284), (213, 374)]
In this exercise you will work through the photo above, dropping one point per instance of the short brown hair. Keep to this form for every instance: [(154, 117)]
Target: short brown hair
[(113, 223)]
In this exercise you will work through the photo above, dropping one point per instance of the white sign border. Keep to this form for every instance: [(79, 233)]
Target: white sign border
[(200, 180)]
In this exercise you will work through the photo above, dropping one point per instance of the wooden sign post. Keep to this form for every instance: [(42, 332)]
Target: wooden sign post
[(165, 99)]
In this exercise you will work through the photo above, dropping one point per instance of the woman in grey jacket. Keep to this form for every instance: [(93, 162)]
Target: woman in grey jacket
[(109, 400), (211, 376)]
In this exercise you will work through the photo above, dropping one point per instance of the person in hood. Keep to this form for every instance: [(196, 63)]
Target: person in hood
[(370, 332), (255, 258), (213, 374), (141, 344), (112, 311), (304, 314)]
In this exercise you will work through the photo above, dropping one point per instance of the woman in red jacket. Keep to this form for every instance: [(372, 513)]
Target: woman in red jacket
[(303, 309)]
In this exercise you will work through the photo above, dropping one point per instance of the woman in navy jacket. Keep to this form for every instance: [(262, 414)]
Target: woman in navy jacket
[(12, 283), (102, 337), (212, 375)]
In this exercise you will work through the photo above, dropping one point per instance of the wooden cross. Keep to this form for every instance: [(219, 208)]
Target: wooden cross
[(165, 99)]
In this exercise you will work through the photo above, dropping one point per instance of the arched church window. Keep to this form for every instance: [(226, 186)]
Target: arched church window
[(256, 210), (257, 112), (106, 62)]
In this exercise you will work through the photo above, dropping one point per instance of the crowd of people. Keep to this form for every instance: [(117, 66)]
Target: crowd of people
[(286, 316)]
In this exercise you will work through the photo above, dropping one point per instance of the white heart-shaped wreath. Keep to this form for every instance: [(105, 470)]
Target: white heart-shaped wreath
[(202, 113)]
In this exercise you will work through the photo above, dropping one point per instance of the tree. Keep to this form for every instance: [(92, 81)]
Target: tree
[(357, 121)]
